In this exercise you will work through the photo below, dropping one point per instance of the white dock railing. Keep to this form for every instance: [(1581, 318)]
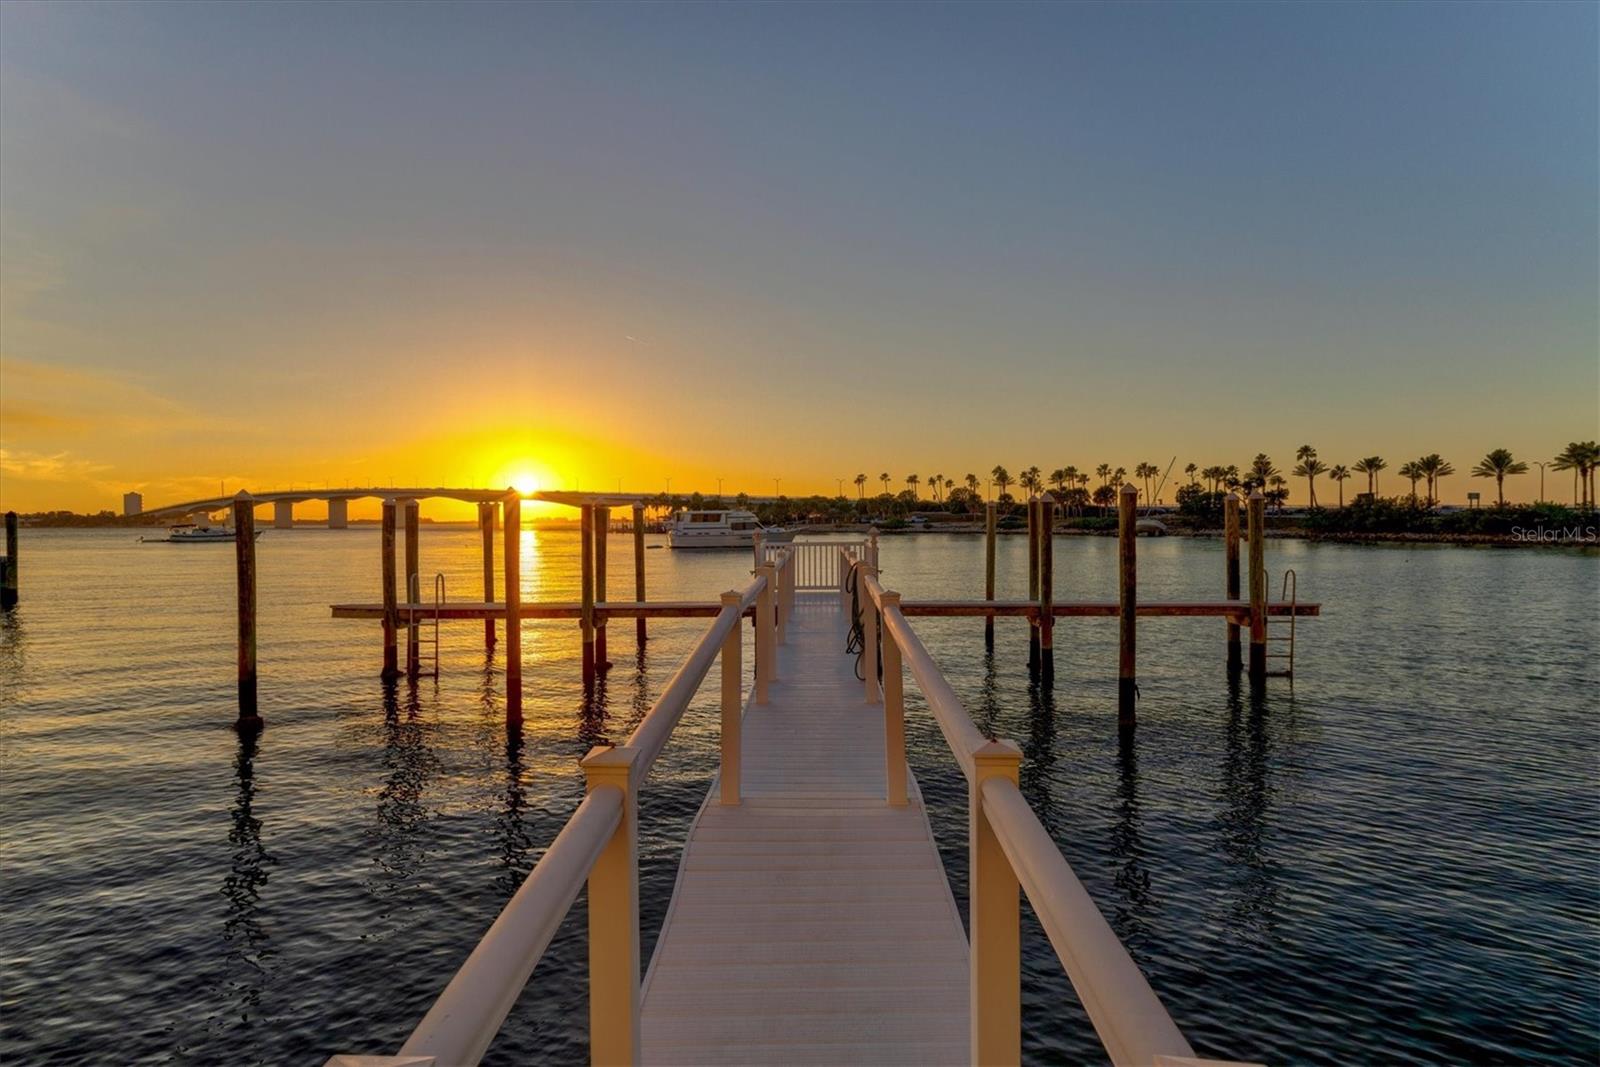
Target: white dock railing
[(816, 562), (1010, 850), (599, 846)]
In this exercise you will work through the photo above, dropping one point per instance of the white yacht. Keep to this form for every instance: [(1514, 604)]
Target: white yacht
[(720, 529), (192, 533)]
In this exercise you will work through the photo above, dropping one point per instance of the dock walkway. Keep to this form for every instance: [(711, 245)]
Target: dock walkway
[(811, 923)]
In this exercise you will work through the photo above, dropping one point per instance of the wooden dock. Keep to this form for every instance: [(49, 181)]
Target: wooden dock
[(811, 923)]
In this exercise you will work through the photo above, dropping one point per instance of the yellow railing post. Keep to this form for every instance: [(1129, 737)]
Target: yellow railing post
[(732, 703), (614, 919), (996, 961), (894, 713), (765, 653)]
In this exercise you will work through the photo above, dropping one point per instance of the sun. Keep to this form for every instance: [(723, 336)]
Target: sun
[(525, 482)]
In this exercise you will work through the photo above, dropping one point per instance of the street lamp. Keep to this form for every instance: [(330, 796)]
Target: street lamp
[(1541, 464), (775, 482)]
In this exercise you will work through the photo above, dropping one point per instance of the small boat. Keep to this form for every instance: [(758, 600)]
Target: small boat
[(721, 529), (1150, 528), (193, 533)]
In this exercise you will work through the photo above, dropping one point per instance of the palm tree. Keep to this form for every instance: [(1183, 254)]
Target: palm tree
[(1581, 458), (1071, 476), (1104, 472), (1190, 471), (1497, 464), (885, 479), (1144, 472), (912, 481), (1433, 467), (861, 486), (1119, 476), (1410, 472), (1001, 477), (939, 485), (1032, 480), (972, 484), (1058, 478), (1308, 468), (1339, 473), (1370, 466), (1261, 472)]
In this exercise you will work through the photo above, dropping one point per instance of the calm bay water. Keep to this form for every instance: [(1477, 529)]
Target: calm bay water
[(1397, 859)]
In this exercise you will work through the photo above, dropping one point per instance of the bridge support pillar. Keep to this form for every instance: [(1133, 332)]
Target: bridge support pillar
[(338, 514), (283, 514)]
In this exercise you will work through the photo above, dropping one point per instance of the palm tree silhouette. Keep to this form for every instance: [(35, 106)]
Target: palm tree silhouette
[(1190, 470), (885, 479), (1497, 464), (861, 486), (1339, 473), (973, 482), (1001, 477), (1370, 466), (912, 481), (1411, 473), (1104, 473), (1581, 458), (1308, 468)]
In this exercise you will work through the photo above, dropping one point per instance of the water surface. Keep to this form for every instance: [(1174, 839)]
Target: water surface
[(1393, 859)]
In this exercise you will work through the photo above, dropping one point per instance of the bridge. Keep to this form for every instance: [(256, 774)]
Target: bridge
[(338, 500), (812, 921)]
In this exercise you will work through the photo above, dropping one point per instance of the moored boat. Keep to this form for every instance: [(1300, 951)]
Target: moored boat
[(193, 533), (720, 529)]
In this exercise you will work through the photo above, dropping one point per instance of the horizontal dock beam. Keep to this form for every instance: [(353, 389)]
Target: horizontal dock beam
[(655, 609), (1238, 610)]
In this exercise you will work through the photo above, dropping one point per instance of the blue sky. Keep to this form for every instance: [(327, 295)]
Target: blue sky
[(1022, 234)]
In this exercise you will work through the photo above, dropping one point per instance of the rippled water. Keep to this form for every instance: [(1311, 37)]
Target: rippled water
[(1394, 860)]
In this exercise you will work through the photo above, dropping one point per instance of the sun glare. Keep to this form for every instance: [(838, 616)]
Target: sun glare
[(524, 481)]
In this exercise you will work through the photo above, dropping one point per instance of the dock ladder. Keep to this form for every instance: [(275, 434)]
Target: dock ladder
[(414, 597), (1277, 641)]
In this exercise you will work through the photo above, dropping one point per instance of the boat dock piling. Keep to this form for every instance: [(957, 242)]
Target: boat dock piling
[(8, 565), (244, 550), (990, 510), (1258, 587), (486, 518), (511, 510), (1230, 543)]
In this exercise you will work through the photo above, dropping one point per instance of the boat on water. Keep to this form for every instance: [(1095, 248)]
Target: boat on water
[(193, 533), (720, 529)]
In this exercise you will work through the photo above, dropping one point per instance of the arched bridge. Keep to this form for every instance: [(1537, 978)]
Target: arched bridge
[(283, 501)]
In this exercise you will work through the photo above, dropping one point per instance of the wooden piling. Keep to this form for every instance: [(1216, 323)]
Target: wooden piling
[(9, 590), (586, 562), (512, 523), (1047, 579), (244, 547), (391, 613), (413, 588), (1128, 604), (638, 567), (1258, 586), (1230, 541), (486, 534), (1033, 580), (602, 536), (989, 510)]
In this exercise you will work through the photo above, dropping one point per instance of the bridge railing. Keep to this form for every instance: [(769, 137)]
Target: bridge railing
[(1009, 850), (598, 847), (814, 561)]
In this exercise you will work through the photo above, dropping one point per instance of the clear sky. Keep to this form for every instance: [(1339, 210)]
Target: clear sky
[(288, 243)]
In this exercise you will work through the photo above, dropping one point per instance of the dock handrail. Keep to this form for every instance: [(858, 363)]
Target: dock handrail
[(462, 1023), (598, 847), (1011, 850)]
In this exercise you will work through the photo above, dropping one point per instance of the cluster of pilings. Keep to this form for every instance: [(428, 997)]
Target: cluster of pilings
[(1041, 515)]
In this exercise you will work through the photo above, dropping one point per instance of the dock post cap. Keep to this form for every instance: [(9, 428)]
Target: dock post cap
[(243, 495), (608, 765), (1256, 494), (1126, 489), (998, 755), (731, 597), (889, 596)]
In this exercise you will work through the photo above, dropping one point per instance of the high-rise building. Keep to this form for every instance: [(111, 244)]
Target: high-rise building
[(132, 503)]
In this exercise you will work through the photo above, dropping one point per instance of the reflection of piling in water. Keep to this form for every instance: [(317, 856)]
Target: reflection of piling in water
[(247, 874), (1246, 797)]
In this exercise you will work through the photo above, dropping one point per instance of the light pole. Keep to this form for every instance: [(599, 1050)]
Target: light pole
[(841, 485), (719, 488), (775, 483), (1541, 464)]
